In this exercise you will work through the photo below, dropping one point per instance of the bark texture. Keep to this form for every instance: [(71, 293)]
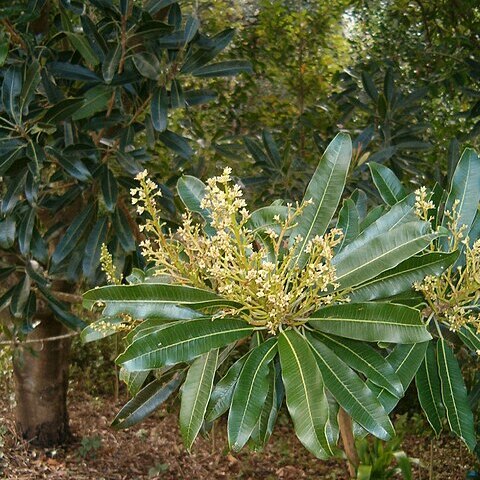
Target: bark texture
[(41, 383)]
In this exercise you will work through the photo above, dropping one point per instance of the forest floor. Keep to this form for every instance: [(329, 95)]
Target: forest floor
[(153, 450)]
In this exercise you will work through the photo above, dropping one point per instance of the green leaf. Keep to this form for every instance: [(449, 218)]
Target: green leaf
[(62, 110), (305, 394), (202, 56), (402, 277), (83, 46), (386, 251), (223, 69), (109, 187), (123, 231), (348, 222), (133, 380), (101, 328), (177, 143), (111, 62), (470, 338), (73, 166), (147, 64), (371, 322), (97, 42), (250, 394), (195, 395), (325, 190), (159, 109), (454, 395), (146, 300), (429, 390), (25, 231), (182, 342), (387, 183), (176, 94), (222, 394), (365, 359), (7, 232), (268, 416), (91, 259), (95, 100), (464, 188), (74, 72), (20, 296), (405, 360), (351, 392), (369, 86), (32, 79), (147, 401), (400, 213), (11, 91), (191, 191), (73, 235), (61, 310)]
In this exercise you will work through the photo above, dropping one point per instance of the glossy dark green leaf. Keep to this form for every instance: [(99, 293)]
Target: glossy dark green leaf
[(61, 310), (250, 394), (25, 231), (401, 278), (81, 43), (154, 6), (351, 392), (91, 259), (222, 394), (30, 84), (111, 62), (465, 189), (348, 222), (387, 183), (159, 109), (147, 64), (305, 394), (385, 251), (191, 28), (454, 395), (147, 401), (226, 68), (176, 143), (369, 86), (109, 187), (96, 40), (151, 299), (8, 230), (77, 229), (182, 342), (371, 322), (95, 100), (365, 359), (195, 396), (11, 90), (199, 97), (123, 231), (470, 338), (324, 191), (70, 71), (429, 390), (20, 296), (176, 95), (62, 110)]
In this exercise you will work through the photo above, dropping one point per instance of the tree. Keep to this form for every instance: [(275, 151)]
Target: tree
[(87, 88), (283, 307)]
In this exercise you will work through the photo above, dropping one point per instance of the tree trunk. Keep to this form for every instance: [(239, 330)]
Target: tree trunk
[(346, 432), (41, 383)]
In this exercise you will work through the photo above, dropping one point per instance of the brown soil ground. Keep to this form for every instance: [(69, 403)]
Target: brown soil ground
[(153, 450)]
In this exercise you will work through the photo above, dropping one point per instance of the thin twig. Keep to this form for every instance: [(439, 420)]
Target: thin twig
[(39, 340)]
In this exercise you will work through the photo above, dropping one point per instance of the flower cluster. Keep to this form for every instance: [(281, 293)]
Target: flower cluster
[(423, 204), (454, 296), (254, 269)]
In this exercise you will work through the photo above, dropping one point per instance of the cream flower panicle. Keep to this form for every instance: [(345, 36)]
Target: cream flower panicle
[(253, 272)]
